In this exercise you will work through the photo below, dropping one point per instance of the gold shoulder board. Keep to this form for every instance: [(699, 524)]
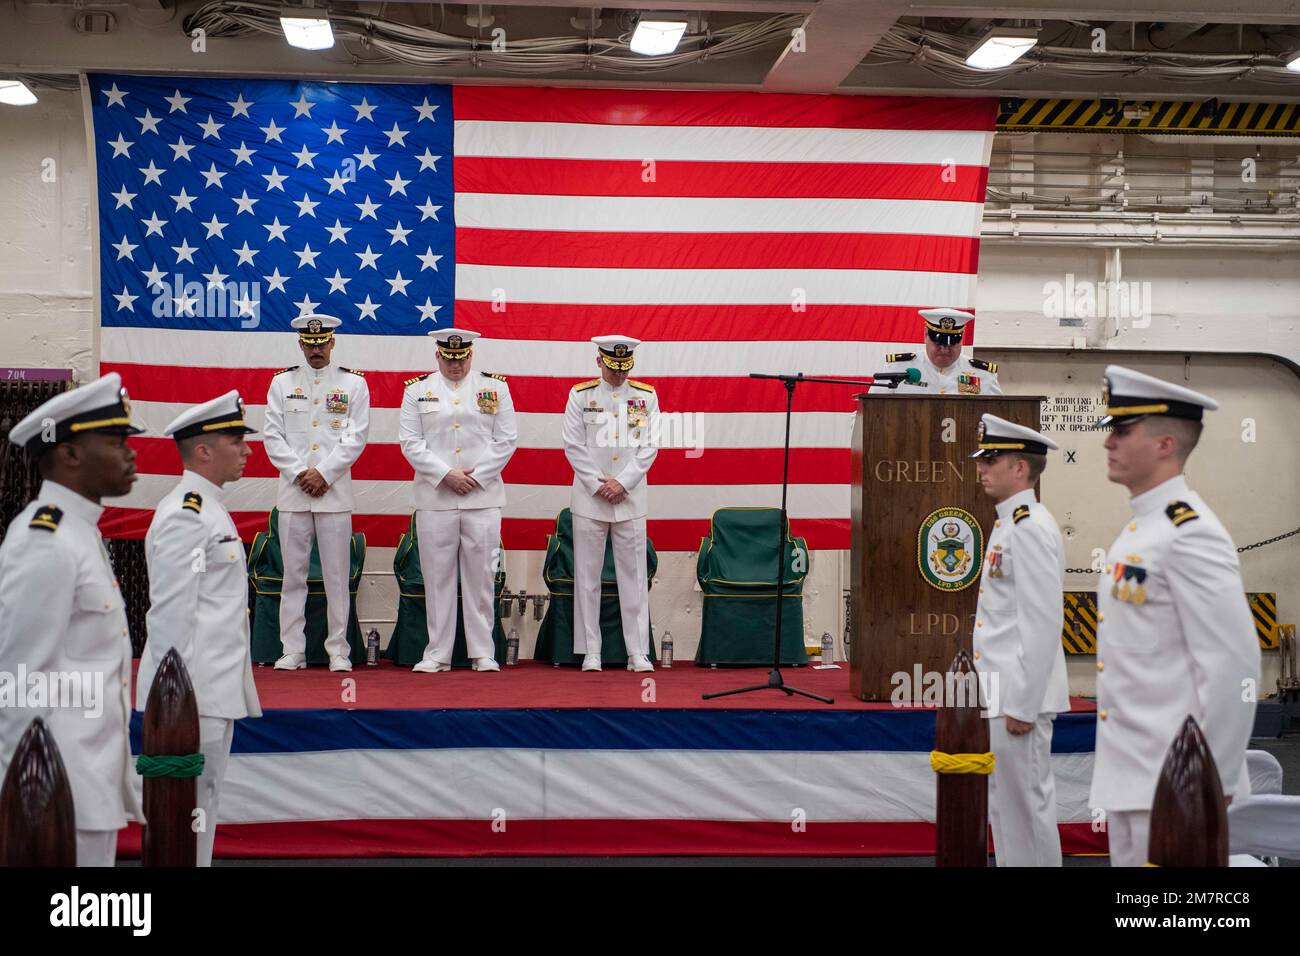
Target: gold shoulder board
[(47, 518)]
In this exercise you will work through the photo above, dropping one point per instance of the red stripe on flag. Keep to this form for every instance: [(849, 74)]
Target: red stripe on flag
[(307, 839), (689, 178), (526, 104), (731, 324), (721, 250), (520, 534), (531, 393), (548, 466)]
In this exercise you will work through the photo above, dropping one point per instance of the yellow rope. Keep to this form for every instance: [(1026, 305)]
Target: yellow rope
[(941, 762)]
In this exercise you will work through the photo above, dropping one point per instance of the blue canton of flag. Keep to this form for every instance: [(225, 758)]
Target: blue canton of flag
[(243, 204)]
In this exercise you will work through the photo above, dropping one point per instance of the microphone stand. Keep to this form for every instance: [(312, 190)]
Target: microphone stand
[(774, 679)]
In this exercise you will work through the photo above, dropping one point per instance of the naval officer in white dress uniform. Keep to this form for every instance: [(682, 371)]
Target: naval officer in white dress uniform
[(944, 369), (317, 424), (457, 430), (198, 591), (1175, 636), (611, 430), (1017, 643), (61, 610)]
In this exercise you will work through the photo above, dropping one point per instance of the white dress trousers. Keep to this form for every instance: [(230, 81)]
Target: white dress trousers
[(96, 848), (466, 539), (1129, 832), (215, 736), (332, 530), (1022, 795), (630, 570)]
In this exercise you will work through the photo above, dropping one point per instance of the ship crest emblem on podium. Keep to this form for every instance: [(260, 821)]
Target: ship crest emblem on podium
[(948, 548)]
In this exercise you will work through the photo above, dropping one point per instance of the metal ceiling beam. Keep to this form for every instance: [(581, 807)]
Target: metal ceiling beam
[(1167, 11), (836, 36)]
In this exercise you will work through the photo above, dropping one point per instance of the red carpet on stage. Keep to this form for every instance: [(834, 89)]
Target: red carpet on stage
[(534, 684)]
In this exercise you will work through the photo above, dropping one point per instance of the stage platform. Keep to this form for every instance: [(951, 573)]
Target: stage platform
[(537, 760)]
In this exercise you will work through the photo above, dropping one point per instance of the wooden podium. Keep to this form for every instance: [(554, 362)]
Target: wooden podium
[(921, 523)]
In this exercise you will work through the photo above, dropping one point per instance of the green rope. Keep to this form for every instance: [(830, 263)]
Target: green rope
[(169, 765)]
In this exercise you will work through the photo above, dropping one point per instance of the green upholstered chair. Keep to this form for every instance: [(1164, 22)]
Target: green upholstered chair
[(737, 571)]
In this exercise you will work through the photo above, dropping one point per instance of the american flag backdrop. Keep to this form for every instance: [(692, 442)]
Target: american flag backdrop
[(732, 232)]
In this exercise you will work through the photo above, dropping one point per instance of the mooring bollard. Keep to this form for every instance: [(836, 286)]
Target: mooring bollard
[(962, 762)]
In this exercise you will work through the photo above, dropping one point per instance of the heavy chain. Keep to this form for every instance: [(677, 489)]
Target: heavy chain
[(1248, 547), (1260, 544)]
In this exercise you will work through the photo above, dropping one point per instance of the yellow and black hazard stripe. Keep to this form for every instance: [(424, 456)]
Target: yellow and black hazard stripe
[(1169, 116), (1263, 608), (1079, 628)]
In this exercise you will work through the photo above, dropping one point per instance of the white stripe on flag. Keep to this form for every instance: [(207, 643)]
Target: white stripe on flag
[(720, 144), (634, 784), (712, 286), (524, 501), (688, 215)]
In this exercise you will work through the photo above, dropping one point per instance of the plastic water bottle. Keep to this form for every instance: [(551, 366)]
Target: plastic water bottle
[(512, 648), (828, 648), (372, 648), (666, 650)]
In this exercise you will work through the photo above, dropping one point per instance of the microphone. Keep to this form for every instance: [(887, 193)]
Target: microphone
[(911, 377)]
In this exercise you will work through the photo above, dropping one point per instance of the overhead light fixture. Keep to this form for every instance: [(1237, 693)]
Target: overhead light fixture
[(307, 28), (16, 93), (1293, 62), (657, 34), (1002, 46)]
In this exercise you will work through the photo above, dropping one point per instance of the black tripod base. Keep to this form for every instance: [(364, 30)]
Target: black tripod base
[(774, 682)]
